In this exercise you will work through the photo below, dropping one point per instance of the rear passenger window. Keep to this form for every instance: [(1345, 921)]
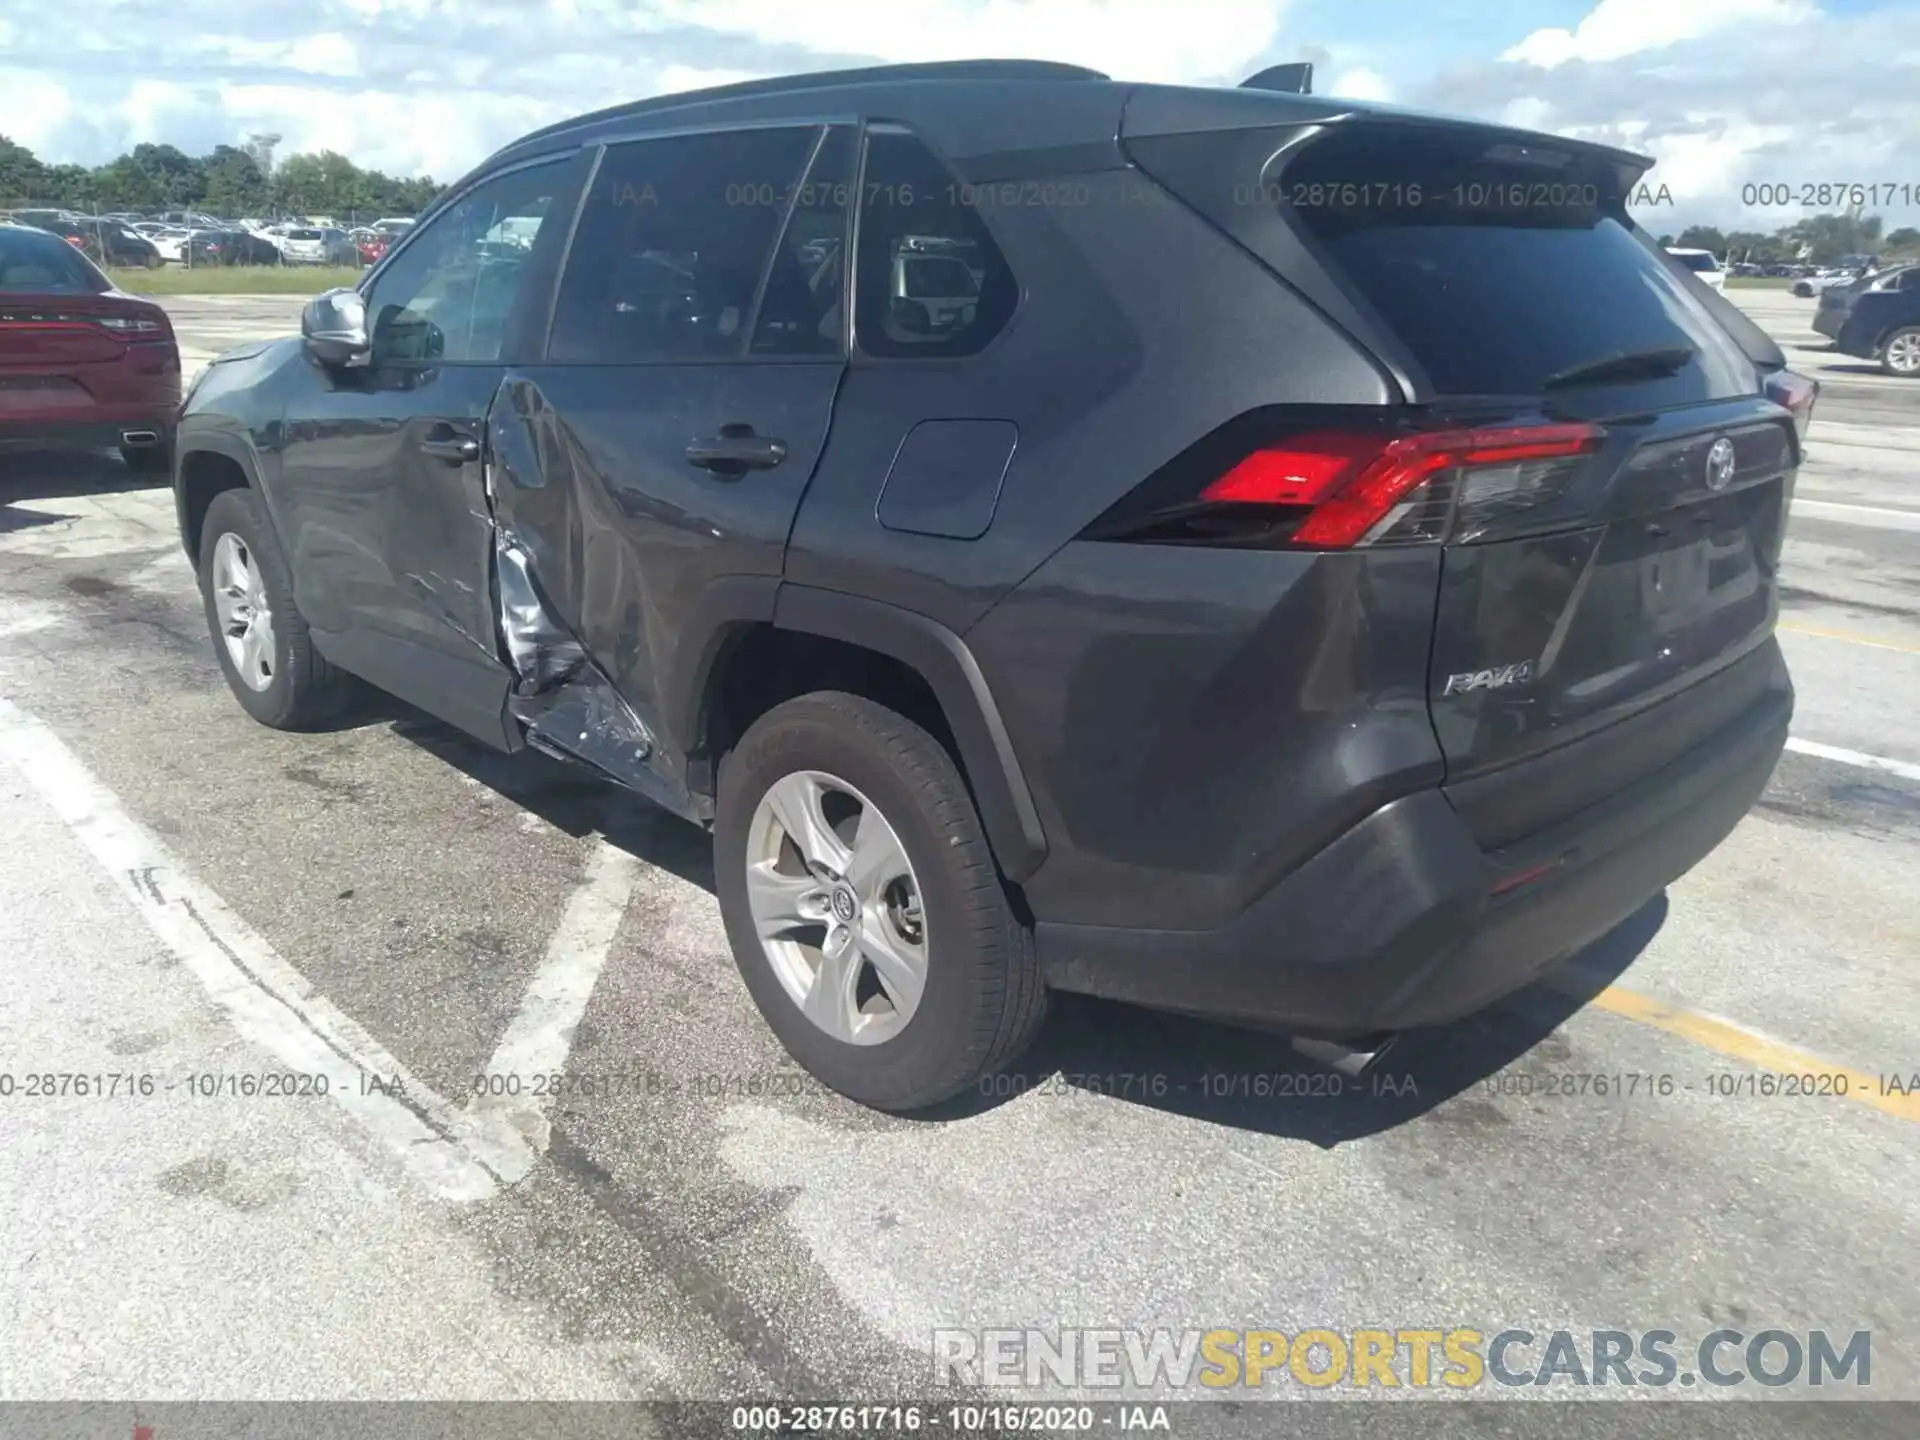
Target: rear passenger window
[(802, 309), (930, 281), (672, 244)]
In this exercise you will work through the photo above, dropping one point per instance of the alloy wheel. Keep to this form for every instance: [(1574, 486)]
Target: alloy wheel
[(1903, 353), (246, 619), (837, 907)]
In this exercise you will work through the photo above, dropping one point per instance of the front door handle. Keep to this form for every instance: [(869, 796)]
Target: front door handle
[(454, 449), (735, 450)]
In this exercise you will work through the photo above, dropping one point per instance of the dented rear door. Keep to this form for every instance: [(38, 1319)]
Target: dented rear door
[(662, 446)]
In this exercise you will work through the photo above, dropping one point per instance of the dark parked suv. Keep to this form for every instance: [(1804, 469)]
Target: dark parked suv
[(1265, 588), (1877, 317)]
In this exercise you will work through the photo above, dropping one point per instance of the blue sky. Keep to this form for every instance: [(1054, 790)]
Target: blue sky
[(1724, 93)]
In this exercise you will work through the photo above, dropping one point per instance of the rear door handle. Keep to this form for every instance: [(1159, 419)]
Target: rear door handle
[(454, 449), (735, 450)]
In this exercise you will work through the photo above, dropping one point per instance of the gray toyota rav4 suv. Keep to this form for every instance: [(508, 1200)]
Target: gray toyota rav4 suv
[(1264, 556)]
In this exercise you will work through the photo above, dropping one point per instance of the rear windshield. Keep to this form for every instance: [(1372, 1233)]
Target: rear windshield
[(45, 264), (303, 235), (1695, 260), (1498, 266), (943, 279)]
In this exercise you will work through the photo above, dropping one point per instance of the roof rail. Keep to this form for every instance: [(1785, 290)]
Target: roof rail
[(824, 79), (1287, 79)]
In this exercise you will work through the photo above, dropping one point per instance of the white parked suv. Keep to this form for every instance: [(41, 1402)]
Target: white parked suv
[(1703, 263)]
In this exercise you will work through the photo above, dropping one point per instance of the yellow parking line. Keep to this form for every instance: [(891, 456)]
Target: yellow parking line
[(1848, 636), (1769, 1056)]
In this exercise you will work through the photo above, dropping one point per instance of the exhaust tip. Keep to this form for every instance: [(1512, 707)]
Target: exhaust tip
[(1352, 1057), (139, 437)]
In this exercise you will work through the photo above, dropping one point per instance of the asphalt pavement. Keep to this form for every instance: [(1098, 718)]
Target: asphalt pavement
[(234, 913)]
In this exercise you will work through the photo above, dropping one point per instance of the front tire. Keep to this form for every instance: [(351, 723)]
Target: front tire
[(864, 908), (1900, 353), (259, 635)]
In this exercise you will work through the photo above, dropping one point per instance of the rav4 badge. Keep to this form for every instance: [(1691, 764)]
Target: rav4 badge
[(1501, 677)]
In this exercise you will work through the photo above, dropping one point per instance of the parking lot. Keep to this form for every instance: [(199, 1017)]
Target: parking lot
[(187, 894)]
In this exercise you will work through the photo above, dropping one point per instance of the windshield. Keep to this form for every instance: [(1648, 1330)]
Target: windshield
[(40, 264), (1695, 260)]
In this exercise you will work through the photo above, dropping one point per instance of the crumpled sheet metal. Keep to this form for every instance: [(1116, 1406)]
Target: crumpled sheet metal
[(567, 703), (544, 653)]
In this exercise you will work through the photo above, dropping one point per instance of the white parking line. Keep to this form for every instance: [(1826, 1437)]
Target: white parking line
[(541, 1032), (1877, 516), (458, 1157), (1905, 769)]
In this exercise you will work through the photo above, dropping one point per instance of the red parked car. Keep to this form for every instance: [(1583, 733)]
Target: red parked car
[(81, 364), (371, 244)]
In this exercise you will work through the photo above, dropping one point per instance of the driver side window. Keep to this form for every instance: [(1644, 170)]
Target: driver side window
[(447, 297)]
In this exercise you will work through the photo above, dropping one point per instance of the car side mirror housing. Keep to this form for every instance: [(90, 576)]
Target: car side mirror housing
[(334, 328)]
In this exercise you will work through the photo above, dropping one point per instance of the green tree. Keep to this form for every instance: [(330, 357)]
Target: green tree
[(234, 184), (1827, 237), (22, 177), (128, 187), (1904, 241), (1752, 245), (176, 177), (1702, 237), (70, 185)]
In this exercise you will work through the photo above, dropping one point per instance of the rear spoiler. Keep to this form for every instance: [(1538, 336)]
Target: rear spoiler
[(1286, 79)]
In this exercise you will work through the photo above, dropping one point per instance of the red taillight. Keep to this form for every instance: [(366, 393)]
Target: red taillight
[(1354, 481), (1794, 394)]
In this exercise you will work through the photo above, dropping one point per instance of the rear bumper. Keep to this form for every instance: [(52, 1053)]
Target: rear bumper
[(94, 432), (1396, 923)]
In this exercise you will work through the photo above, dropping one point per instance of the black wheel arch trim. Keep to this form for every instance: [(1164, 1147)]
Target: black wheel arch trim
[(943, 660), (187, 441), (730, 605)]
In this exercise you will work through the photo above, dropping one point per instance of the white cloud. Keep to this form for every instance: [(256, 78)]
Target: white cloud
[(676, 78), (36, 110), (1361, 83), (432, 86), (1723, 93), (1823, 97), (1617, 28), (1138, 39)]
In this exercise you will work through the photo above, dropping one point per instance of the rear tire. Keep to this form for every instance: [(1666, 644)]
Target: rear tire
[(981, 1000), (1900, 353), (301, 689)]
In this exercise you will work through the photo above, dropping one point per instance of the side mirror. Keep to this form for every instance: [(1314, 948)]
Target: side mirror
[(334, 327)]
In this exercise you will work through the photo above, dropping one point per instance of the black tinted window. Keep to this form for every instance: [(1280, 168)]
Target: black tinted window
[(930, 279), (1497, 267), (39, 263), (802, 308), (1702, 263), (672, 244)]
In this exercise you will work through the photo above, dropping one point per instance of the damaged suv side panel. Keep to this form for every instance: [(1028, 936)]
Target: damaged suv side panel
[(592, 559)]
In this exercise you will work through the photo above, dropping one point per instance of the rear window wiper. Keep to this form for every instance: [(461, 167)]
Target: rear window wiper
[(1622, 365)]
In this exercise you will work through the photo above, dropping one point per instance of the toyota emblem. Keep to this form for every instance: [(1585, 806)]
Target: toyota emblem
[(1720, 464)]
